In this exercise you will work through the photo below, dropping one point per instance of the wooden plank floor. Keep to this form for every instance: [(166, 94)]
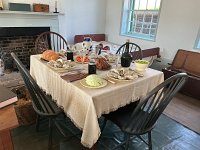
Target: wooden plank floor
[(5, 140), (185, 110), (8, 120)]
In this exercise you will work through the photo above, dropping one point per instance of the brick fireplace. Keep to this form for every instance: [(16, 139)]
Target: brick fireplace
[(21, 41), (21, 44)]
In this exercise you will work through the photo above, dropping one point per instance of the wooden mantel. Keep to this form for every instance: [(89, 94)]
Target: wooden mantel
[(29, 13), (29, 19)]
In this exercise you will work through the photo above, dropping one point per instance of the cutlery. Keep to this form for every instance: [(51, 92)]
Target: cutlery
[(74, 71), (111, 81)]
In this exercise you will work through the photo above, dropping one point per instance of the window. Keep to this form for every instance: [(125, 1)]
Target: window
[(197, 43), (140, 18)]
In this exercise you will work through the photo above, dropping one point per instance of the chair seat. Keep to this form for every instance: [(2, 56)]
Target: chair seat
[(121, 115)]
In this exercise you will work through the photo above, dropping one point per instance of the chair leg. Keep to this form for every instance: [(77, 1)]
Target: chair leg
[(37, 122), (149, 141), (127, 141), (50, 133)]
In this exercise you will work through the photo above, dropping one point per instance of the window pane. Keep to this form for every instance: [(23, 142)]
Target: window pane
[(141, 21), (158, 4), (136, 4), (143, 4), (151, 4), (198, 44)]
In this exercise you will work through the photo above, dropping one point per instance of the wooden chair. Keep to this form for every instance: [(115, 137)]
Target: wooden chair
[(43, 105), (134, 49), (50, 40), (136, 120)]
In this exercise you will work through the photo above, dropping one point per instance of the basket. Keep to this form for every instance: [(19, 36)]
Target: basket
[(25, 112), (40, 8)]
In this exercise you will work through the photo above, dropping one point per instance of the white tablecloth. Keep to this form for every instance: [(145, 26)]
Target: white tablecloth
[(83, 105)]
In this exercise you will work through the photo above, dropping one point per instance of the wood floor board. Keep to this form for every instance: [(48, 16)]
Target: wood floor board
[(5, 140), (185, 110)]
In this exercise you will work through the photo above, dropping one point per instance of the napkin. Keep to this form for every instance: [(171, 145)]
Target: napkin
[(74, 76)]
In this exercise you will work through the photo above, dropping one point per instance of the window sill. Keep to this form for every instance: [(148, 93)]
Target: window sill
[(137, 37)]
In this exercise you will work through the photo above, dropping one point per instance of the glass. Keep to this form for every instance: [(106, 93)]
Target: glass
[(117, 60), (70, 55), (92, 67)]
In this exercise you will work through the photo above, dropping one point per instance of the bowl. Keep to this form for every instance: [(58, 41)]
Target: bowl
[(141, 65)]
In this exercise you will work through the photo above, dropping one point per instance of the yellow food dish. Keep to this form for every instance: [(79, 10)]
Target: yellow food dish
[(94, 80)]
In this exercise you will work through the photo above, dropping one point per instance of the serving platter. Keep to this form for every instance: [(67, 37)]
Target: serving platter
[(83, 83), (123, 74), (62, 69), (117, 79)]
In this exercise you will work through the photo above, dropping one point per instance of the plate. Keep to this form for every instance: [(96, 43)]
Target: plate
[(86, 62), (83, 83), (59, 69), (108, 74)]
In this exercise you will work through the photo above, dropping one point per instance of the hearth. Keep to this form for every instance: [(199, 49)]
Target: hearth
[(21, 41)]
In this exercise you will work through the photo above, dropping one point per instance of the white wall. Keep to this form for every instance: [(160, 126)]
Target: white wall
[(83, 17), (80, 17), (178, 26)]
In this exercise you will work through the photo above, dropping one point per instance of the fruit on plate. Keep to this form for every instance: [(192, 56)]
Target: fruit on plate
[(49, 55), (94, 80), (80, 59)]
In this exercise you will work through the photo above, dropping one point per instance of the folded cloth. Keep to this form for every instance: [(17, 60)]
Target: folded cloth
[(74, 76)]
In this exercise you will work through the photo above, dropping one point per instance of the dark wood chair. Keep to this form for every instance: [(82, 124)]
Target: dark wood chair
[(134, 49), (43, 105), (50, 40), (136, 120)]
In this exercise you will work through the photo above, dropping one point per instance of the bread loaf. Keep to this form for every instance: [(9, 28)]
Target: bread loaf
[(49, 55)]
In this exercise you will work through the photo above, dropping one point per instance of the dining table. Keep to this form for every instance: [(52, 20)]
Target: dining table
[(85, 105)]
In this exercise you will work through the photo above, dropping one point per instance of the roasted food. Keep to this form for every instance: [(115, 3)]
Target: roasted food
[(123, 74), (102, 64), (49, 55), (80, 59)]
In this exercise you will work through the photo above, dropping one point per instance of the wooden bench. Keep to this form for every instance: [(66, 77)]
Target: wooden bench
[(186, 61)]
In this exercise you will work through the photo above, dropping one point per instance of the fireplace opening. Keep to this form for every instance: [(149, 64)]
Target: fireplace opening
[(21, 41)]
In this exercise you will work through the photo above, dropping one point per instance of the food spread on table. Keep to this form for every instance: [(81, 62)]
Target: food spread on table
[(94, 80), (122, 74), (60, 64), (84, 59), (102, 64), (109, 57), (49, 55)]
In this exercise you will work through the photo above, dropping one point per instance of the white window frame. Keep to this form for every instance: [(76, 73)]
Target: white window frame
[(197, 42), (129, 26)]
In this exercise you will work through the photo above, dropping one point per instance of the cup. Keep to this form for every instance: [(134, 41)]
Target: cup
[(70, 55)]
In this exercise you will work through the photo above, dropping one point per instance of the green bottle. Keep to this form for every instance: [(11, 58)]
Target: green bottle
[(126, 58)]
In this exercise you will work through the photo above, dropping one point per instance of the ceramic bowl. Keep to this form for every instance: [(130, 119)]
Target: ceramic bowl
[(141, 65)]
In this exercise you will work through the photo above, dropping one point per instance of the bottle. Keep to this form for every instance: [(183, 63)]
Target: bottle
[(126, 58)]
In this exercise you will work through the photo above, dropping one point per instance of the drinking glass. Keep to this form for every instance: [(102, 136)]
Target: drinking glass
[(117, 59)]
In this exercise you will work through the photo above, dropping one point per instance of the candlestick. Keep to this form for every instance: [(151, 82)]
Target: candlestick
[(56, 9), (55, 4), (1, 5)]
